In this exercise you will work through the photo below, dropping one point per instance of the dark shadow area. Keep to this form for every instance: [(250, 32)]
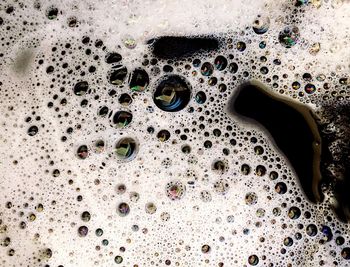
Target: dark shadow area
[(335, 162), (172, 47)]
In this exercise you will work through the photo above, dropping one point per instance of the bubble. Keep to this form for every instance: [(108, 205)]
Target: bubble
[(126, 148), (83, 231), (173, 93), (81, 88), (175, 190), (51, 13), (207, 69), (233, 67), (315, 48), (150, 208), (289, 36), (125, 99), (82, 152), (219, 166), (301, 2), (117, 75), (281, 188), (241, 46), (260, 170), (118, 259), (113, 58), (245, 169), (288, 241), (220, 62), (99, 146), (311, 230), (294, 213), (85, 216), (310, 88), (221, 187), (201, 97), (345, 253), (123, 209), (33, 130), (163, 135), (103, 111), (295, 85), (99, 232), (253, 260), (327, 233), (339, 240), (251, 199), (122, 119), (206, 249), (273, 175), (261, 24), (129, 42), (138, 80)]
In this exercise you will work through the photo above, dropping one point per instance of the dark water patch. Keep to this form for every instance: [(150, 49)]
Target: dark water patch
[(291, 125)]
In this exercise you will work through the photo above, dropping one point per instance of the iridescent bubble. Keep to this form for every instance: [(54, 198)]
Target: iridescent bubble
[(301, 2), (122, 119), (340, 240), (261, 24), (253, 260), (310, 88), (138, 80), (220, 62), (251, 198), (129, 42), (288, 241), (327, 233), (281, 188), (289, 36), (311, 230), (295, 85), (123, 209), (82, 152), (241, 46), (173, 93), (126, 148), (294, 213), (207, 69), (83, 231), (233, 67), (200, 97), (175, 190)]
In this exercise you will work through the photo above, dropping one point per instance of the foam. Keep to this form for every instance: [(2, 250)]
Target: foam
[(177, 227)]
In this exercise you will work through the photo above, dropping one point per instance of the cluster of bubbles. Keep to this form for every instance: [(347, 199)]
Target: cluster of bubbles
[(111, 156)]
